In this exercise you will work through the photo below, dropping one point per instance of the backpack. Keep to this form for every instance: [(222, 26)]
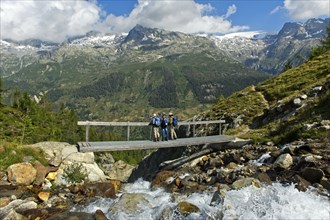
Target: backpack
[(156, 121), (164, 123), (175, 121)]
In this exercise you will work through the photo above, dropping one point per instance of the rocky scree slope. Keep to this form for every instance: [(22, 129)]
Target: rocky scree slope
[(270, 53)]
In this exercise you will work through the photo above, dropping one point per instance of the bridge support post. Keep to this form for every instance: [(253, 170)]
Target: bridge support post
[(128, 130), (194, 127), (87, 128)]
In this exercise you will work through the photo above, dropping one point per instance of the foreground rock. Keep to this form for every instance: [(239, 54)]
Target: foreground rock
[(32, 190), (303, 163), (63, 155), (21, 173)]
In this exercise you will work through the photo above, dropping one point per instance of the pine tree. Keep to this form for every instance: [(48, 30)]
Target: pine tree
[(325, 46)]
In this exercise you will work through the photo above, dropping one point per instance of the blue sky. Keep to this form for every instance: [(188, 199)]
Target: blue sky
[(56, 20), (256, 14)]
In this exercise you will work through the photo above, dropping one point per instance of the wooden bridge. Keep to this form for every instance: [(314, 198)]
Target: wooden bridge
[(214, 141)]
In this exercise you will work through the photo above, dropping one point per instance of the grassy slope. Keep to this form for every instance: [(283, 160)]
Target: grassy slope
[(257, 105)]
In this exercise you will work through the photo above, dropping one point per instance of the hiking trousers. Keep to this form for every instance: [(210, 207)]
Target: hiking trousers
[(164, 134), (173, 133), (155, 132)]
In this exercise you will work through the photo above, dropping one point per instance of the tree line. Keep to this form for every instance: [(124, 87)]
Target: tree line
[(24, 121)]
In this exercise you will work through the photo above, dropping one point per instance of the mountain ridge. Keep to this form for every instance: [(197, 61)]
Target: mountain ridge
[(202, 69)]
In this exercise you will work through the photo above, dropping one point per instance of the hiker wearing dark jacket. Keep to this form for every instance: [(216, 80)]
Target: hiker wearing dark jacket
[(163, 127), (172, 124)]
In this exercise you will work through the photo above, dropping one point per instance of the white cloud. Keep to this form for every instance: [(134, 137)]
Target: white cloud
[(276, 9), (231, 10), (56, 20), (47, 20), (185, 16), (299, 9)]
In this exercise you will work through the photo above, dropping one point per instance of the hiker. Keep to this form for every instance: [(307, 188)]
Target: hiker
[(155, 123), (163, 126), (173, 123)]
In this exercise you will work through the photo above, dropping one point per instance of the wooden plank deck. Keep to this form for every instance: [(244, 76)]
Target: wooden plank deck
[(216, 141)]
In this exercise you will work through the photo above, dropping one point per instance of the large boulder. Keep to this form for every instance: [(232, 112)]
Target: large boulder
[(62, 155), (21, 173), (57, 152), (284, 161), (17, 205), (130, 203), (313, 175)]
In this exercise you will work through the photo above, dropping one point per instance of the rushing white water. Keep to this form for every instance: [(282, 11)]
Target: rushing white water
[(269, 202)]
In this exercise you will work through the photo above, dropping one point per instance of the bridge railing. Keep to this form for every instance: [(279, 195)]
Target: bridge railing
[(143, 124)]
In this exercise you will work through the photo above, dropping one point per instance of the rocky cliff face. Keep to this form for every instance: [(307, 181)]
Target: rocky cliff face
[(270, 53)]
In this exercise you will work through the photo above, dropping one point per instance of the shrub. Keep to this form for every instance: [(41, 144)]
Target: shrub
[(75, 173)]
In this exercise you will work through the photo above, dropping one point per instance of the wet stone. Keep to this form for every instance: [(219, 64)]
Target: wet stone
[(302, 184), (186, 208), (313, 175)]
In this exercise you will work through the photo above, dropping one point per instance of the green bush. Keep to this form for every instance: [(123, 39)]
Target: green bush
[(75, 173), (11, 153)]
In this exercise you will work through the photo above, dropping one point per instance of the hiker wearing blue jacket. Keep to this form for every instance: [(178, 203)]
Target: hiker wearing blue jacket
[(172, 122), (155, 123), (163, 127)]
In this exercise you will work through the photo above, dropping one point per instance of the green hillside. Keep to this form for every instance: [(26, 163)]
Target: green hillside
[(131, 79), (184, 83), (292, 105)]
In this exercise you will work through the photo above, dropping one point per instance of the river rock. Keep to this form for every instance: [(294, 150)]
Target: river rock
[(41, 172), (99, 215), (120, 171), (95, 174), (186, 208), (129, 203), (17, 205), (244, 182), (284, 161), (325, 183), (116, 184), (302, 184), (218, 197), (4, 201), (43, 196), (51, 176), (57, 152), (13, 215), (11, 191), (264, 178), (313, 175), (21, 173), (67, 215), (63, 154), (162, 178), (104, 189), (231, 165)]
